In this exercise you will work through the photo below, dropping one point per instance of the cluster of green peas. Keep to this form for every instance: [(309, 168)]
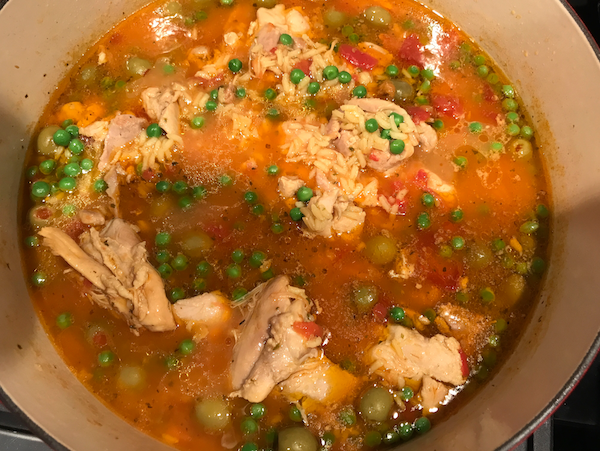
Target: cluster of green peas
[(67, 137)]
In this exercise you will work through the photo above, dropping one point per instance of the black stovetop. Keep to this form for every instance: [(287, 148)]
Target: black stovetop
[(574, 426)]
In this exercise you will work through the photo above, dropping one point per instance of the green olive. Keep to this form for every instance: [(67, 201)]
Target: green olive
[(213, 414), (132, 377), (172, 9), (378, 17), (375, 404), (479, 256), (513, 288), (137, 66), (196, 243), (45, 141), (365, 297), (334, 19), (522, 148), (297, 439), (40, 216), (404, 91), (266, 3), (381, 250)]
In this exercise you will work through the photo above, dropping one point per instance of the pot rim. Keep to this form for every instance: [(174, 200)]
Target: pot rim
[(510, 444)]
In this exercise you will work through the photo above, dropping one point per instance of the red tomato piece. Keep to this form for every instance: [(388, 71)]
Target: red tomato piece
[(441, 272), (75, 228), (99, 339), (148, 174), (219, 231), (308, 329), (380, 312), (304, 66), (447, 105), (412, 51), (373, 156), (464, 363), (418, 114), (357, 58)]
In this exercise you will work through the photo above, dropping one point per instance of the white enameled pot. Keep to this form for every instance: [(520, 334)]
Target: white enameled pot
[(543, 50)]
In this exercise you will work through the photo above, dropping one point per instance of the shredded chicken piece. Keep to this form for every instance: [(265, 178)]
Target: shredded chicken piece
[(332, 212), (115, 262)]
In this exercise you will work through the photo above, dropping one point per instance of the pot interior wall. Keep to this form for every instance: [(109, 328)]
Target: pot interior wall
[(541, 49)]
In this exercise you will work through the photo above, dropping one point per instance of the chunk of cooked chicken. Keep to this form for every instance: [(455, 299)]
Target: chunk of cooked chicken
[(408, 354), (289, 185), (433, 393), (91, 217), (269, 348), (162, 105), (319, 383), (445, 190), (203, 312), (469, 328), (121, 130), (115, 262), (332, 212)]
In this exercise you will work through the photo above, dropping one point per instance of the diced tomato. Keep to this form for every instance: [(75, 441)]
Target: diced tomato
[(397, 185), (421, 178), (412, 51), (308, 329), (441, 272), (99, 339), (219, 231), (489, 94), (373, 156), (418, 114), (380, 312), (402, 207), (304, 66), (447, 105), (148, 174), (357, 58), (464, 362)]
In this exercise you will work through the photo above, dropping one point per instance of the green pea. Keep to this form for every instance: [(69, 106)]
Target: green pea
[(40, 189), (347, 30), (494, 341), (428, 200), (270, 94), (187, 346), (304, 194), (413, 71), (106, 358), (423, 221), (373, 438), (378, 17), (258, 209), (538, 265), (405, 430), (72, 170), (512, 117), (240, 93), (214, 94), (268, 274), (510, 105), (180, 187), (344, 77), (204, 268), (277, 228), (313, 87), (461, 162), (487, 295), (64, 320), (86, 165), (526, 132), (542, 211), (67, 184), (396, 314), (32, 241), (529, 227), (249, 446), (390, 437), (62, 138), (171, 362), (493, 79), (456, 215), (422, 425), (354, 38), (234, 271), (359, 92), (455, 65), (180, 262), (47, 166), (406, 393), (226, 2), (347, 416), (375, 404), (498, 245), (286, 39), (76, 146), (137, 66), (392, 70), (197, 122), (249, 426), (457, 243), (39, 278), (235, 65), (69, 210), (513, 130), (296, 214), (176, 294), (483, 71), (371, 125), (226, 180), (154, 131), (386, 134), (508, 91), (272, 113), (475, 127), (425, 87), (100, 186), (331, 72), (211, 105), (258, 410), (295, 414), (162, 239), (500, 326), (397, 146)]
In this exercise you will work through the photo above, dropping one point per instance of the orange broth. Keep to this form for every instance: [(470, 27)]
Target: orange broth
[(496, 195)]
